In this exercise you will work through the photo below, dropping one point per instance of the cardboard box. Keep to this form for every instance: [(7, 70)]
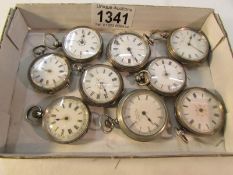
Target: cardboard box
[(25, 28)]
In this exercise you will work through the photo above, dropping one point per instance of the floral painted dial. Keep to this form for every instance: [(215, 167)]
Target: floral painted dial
[(128, 51), (142, 115), (101, 85), (66, 119), (188, 45), (200, 111), (167, 76), (82, 44), (49, 73)]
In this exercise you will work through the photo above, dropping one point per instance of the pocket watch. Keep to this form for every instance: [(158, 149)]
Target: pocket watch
[(65, 119), (186, 45), (163, 75), (49, 72), (128, 52), (101, 85), (200, 111), (81, 44), (141, 115)]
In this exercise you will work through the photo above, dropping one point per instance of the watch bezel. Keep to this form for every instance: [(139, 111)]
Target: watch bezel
[(95, 103), (57, 88), (127, 68), (97, 55), (180, 118), (126, 129), (48, 109)]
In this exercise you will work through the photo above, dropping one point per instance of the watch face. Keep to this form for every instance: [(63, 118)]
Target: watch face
[(189, 45), (66, 119), (167, 76), (49, 72), (101, 84), (200, 111), (128, 51), (82, 44), (142, 115)]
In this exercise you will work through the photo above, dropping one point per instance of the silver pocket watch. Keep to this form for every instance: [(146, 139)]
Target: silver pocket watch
[(200, 111), (49, 72), (65, 119), (100, 85), (141, 115), (80, 44), (128, 51), (163, 75), (186, 45)]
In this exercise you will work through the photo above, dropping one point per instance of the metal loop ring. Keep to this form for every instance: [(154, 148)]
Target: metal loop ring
[(181, 134), (107, 124), (143, 78), (160, 35), (77, 67), (51, 41), (34, 114), (39, 50)]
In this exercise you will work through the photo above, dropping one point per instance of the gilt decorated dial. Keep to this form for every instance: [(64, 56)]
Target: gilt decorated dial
[(200, 111)]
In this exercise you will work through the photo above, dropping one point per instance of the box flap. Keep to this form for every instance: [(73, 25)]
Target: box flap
[(17, 30)]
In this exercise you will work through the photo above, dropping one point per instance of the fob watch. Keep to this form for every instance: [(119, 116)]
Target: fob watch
[(188, 46), (128, 52), (65, 119), (200, 111), (82, 44), (100, 85), (141, 115), (49, 73), (163, 75)]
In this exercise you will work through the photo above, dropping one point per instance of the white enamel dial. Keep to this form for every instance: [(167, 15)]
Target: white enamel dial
[(142, 115), (101, 84), (128, 51), (49, 72), (82, 44), (66, 119), (189, 45), (167, 76), (200, 111)]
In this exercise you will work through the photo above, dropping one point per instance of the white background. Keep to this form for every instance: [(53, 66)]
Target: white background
[(203, 165)]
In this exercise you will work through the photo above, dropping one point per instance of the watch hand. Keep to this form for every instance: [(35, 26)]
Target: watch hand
[(165, 70), (46, 70), (148, 118), (130, 51), (64, 118), (196, 48)]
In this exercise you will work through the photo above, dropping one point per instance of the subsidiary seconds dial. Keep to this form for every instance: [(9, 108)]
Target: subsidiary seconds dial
[(128, 52), (101, 85)]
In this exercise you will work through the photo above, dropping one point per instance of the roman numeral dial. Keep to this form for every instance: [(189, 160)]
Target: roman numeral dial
[(167, 76), (66, 119), (142, 115), (82, 44), (101, 84), (189, 45), (49, 72), (200, 111), (128, 51)]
